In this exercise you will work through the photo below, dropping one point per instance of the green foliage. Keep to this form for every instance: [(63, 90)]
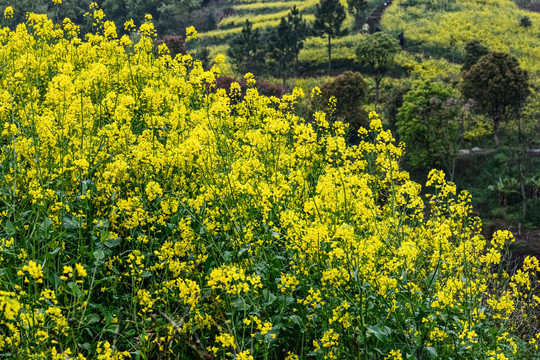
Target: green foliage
[(525, 21), (350, 91), (281, 49), (246, 50), (175, 43), (377, 51), (299, 30), (498, 85), (170, 16), (474, 50), (73, 9), (285, 42), (357, 8), (428, 122), (145, 215), (329, 18)]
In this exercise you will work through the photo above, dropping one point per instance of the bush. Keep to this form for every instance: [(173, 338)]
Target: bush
[(350, 91), (525, 21), (264, 87), (175, 43)]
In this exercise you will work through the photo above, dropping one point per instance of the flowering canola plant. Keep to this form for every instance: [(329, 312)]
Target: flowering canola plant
[(145, 214)]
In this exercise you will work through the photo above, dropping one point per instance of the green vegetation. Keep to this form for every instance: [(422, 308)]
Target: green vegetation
[(377, 51), (329, 18), (146, 214), (430, 122), (358, 9), (246, 51), (498, 85), (343, 98)]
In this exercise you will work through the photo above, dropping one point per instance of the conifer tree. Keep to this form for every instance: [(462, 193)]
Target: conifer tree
[(246, 51), (299, 31), (474, 50), (329, 17), (285, 42), (280, 48)]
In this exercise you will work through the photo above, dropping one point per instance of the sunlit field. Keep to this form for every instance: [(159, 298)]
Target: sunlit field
[(147, 215), (443, 27)]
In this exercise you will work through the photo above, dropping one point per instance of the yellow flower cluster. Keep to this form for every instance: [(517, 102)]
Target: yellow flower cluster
[(144, 212)]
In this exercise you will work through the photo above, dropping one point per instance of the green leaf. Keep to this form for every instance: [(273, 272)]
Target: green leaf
[(241, 305), (69, 224), (269, 298), (86, 346), (111, 243), (10, 228), (92, 319), (45, 227), (75, 290), (99, 255), (381, 332), (295, 319)]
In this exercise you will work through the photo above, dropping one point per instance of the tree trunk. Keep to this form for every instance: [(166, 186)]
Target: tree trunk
[(522, 161), (496, 124), (283, 76), (329, 53), (357, 20), (377, 85)]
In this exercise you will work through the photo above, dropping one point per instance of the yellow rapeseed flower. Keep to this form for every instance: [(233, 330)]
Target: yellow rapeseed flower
[(191, 33), (8, 12)]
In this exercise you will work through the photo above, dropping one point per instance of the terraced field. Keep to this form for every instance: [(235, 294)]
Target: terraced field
[(442, 28), (435, 43), (313, 57), (267, 14)]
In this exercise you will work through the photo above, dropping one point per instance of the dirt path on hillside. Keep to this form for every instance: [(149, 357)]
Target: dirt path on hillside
[(375, 18)]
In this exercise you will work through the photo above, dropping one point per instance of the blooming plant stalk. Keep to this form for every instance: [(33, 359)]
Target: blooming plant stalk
[(145, 214)]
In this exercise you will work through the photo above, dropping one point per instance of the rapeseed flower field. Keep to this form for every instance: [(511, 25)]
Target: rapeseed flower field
[(147, 215)]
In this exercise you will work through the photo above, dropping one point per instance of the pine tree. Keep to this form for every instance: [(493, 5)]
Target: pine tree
[(474, 50), (246, 51), (285, 42), (329, 18), (299, 31), (280, 48)]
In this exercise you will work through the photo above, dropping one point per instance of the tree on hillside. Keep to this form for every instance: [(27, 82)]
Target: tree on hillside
[(170, 16), (123, 10), (377, 51), (299, 31), (350, 91), (474, 50), (175, 12), (285, 42), (429, 123), (246, 50), (21, 7), (498, 85), (329, 17), (357, 8), (281, 50)]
